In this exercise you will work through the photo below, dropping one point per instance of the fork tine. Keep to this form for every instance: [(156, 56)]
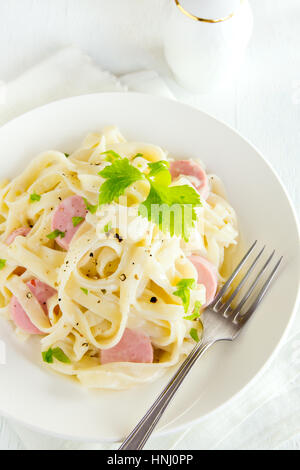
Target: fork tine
[(242, 282), (253, 285), (233, 276), (260, 296)]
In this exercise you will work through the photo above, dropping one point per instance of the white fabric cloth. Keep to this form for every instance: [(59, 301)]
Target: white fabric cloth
[(68, 73), (267, 414)]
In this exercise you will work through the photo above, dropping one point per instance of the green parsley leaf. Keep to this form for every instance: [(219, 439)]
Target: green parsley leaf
[(85, 291), (196, 313), (194, 335), (119, 176), (137, 156), (56, 353), (60, 356), (157, 167), (56, 234), (2, 264), (90, 208), (67, 155), (159, 173), (184, 291), (107, 227), (77, 220), (48, 356), (171, 208), (111, 156), (35, 197)]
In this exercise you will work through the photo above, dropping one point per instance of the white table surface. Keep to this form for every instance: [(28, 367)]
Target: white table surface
[(126, 35)]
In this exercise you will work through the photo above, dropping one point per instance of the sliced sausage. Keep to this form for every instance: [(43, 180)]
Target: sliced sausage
[(42, 292), (21, 319), (133, 347), (73, 206), (207, 275), (20, 232), (191, 168)]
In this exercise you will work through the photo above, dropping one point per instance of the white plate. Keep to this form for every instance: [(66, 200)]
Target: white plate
[(56, 405)]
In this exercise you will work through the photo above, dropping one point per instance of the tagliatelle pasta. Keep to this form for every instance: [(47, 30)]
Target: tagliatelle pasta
[(83, 283)]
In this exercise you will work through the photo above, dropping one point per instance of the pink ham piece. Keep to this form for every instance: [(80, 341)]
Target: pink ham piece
[(191, 168), (42, 292), (207, 275), (20, 232), (73, 206), (133, 347)]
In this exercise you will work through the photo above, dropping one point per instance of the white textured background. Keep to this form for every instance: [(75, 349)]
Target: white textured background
[(126, 35)]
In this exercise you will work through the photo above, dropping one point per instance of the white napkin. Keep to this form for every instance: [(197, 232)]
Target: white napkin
[(67, 73), (267, 414)]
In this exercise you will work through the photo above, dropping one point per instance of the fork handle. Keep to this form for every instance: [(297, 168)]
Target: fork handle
[(141, 433)]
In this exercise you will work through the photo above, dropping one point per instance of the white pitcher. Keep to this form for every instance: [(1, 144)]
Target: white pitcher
[(205, 41)]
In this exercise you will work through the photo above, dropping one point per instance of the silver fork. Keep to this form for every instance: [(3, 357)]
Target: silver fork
[(221, 322)]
